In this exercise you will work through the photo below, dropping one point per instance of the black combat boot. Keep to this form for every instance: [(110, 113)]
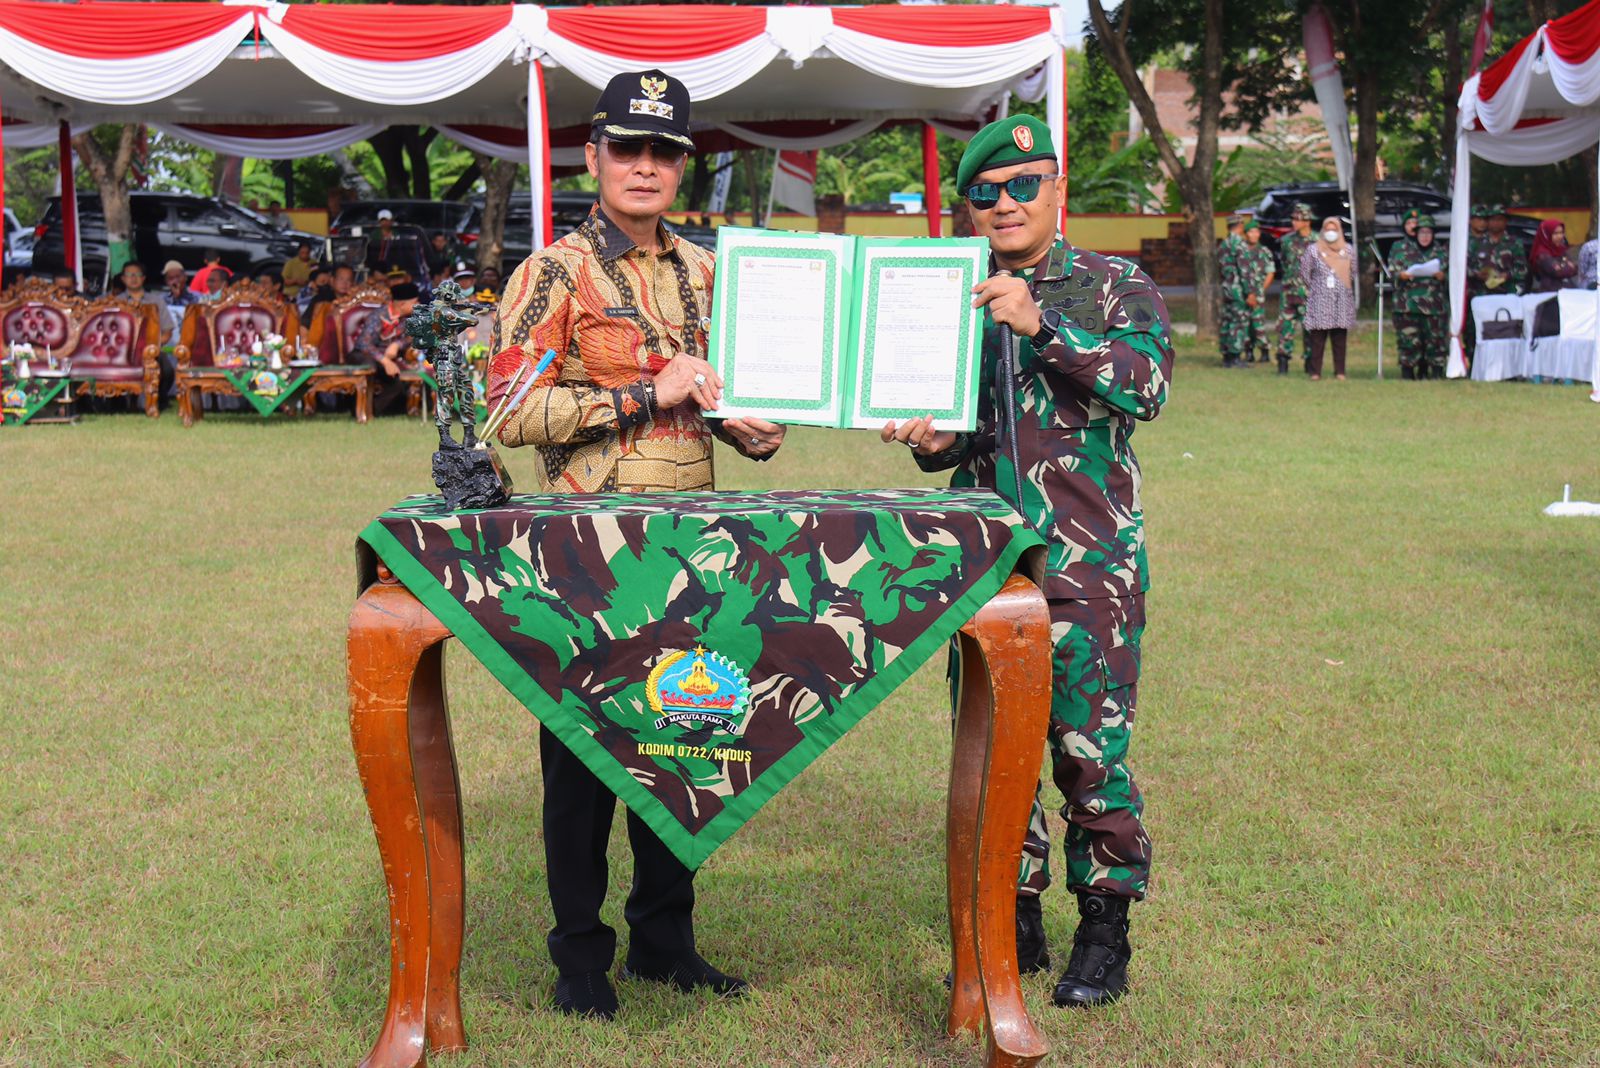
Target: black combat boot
[(1407, 372), (1033, 949), (1097, 974), (1283, 365)]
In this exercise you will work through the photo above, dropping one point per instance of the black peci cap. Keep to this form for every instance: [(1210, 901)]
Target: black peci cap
[(641, 105)]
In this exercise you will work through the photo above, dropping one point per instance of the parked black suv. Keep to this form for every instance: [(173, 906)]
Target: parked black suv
[(168, 226), (568, 210), (457, 218), (1394, 200)]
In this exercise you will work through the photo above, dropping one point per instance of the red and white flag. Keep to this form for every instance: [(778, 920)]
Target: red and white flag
[(794, 182), (1329, 87), (1480, 42)]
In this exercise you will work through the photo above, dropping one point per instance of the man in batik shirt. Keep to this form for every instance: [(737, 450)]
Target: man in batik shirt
[(620, 408), (1092, 356)]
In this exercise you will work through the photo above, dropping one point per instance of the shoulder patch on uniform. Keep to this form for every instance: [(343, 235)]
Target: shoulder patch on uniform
[(1140, 308)]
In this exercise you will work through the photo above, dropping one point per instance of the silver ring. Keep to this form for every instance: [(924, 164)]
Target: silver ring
[(913, 444), (699, 380), (755, 441)]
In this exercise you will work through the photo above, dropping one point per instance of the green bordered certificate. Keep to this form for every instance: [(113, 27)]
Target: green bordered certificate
[(840, 331)]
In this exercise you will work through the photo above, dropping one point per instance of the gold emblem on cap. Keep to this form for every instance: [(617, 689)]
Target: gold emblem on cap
[(654, 88), (1022, 136)]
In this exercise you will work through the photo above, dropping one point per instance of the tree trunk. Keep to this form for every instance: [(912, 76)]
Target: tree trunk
[(753, 158), (1364, 197), (110, 174), (417, 143), (700, 183), (499, 175), (391, 154), (463, 185), (1194, 180)]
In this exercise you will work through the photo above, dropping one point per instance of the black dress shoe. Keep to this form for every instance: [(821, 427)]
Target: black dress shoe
[(1097, 974), (688, 974), (586, 994)]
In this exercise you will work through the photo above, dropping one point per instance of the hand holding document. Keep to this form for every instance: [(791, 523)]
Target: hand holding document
[(1426, 269), (834, 330)]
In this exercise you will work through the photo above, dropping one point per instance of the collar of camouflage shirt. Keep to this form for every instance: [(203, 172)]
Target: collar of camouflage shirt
[(1056, 265), (612, 243)]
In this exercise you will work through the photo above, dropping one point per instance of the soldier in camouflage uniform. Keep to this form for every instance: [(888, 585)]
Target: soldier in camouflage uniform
[(1092, 357), (1256, 269), (1292, 290), (1475, 246), (1420, 320), (1234, 330), (1498, 264)]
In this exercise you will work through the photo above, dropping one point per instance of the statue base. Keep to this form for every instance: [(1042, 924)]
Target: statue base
[(471, 478)]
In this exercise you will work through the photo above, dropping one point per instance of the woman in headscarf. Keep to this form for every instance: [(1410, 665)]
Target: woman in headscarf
[(1420, 322), (1550, 261), (1328, 271)]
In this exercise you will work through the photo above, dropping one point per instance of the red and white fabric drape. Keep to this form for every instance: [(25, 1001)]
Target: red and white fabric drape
[(1537, 104)]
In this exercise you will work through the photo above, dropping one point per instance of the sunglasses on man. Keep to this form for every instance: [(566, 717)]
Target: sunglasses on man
[(665, 153), (1023, 189)]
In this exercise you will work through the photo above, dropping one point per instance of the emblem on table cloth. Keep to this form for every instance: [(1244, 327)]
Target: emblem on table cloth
[(698, 689), (266, 384)]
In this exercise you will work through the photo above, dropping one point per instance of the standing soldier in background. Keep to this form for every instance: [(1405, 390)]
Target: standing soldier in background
[(1420, 320), (1476, 256), (1292, 296), (1257, 268), (1235, 326), (1502, 268)]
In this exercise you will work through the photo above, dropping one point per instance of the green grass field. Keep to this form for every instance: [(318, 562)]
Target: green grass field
[(1369, 735)]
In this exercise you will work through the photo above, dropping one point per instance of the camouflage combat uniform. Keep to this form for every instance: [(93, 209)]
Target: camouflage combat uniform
[(1234, 330), (1077, 401), (1292, 295), (1421, 319), (1256, 267)]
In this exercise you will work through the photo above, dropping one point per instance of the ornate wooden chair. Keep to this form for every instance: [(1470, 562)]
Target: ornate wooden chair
[(114, 343), (333, 331), (243, 314)]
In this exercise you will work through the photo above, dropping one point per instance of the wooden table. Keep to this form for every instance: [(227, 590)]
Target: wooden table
[(195, 382), (400, 730)]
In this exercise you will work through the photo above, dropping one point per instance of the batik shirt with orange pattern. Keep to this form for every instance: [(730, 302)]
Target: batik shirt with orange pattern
[(615, 315)]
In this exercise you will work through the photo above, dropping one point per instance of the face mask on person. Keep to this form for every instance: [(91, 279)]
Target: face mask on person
[(1330, 236)]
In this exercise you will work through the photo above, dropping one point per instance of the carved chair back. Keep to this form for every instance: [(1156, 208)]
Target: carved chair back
[(243, 314), (33, 313), (350, 313)]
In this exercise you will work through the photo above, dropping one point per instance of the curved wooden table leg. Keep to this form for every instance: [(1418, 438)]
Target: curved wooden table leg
[(391, 636), (439, 786), (1000, 736)]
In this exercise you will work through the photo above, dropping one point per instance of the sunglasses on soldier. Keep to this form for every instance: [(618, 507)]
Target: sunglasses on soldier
[(1023, 189), (665, 153)]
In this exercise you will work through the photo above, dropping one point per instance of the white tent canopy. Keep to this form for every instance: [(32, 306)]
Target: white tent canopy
[(316, 76), (1538, 104)]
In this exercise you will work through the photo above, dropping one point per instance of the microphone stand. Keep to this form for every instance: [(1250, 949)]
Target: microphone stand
[(1386, 282)]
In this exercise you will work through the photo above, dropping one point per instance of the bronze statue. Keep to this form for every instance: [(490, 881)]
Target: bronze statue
[(468, 472)]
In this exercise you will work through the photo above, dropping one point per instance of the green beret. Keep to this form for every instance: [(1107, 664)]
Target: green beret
[(1424, 220), (1251, 224), (1414, 213), (1017, 139), (1480, 211)]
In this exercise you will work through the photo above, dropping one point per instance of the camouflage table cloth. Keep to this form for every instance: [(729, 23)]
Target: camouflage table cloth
[(698, 650)]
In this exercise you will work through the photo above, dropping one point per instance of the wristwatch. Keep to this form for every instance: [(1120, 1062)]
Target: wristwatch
[(1050, 323)]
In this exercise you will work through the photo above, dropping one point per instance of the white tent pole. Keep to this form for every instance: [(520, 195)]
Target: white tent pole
[(1594, 372), (1460, 227), (538, 154)]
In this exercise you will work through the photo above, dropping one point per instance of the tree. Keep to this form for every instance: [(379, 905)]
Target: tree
[(1193, 178), (107, 153), (499, 177)]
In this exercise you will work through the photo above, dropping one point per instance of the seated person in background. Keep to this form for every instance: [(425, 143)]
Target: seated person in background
[(341, 281), (465, 277), (297, 270), (440, 256), (316, 291), (383, 342), (1550, 265), (277, 216), (132, 278), (396, 275), (213, 263), (64, 284), (1589, 263), (489, 281), (272, 280), (216, 282), (176, 295)]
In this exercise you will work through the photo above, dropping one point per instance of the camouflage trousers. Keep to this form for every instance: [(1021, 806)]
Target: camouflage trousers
[(1096, 686), (1243, 330), (1423, 339), (1291, 325)]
